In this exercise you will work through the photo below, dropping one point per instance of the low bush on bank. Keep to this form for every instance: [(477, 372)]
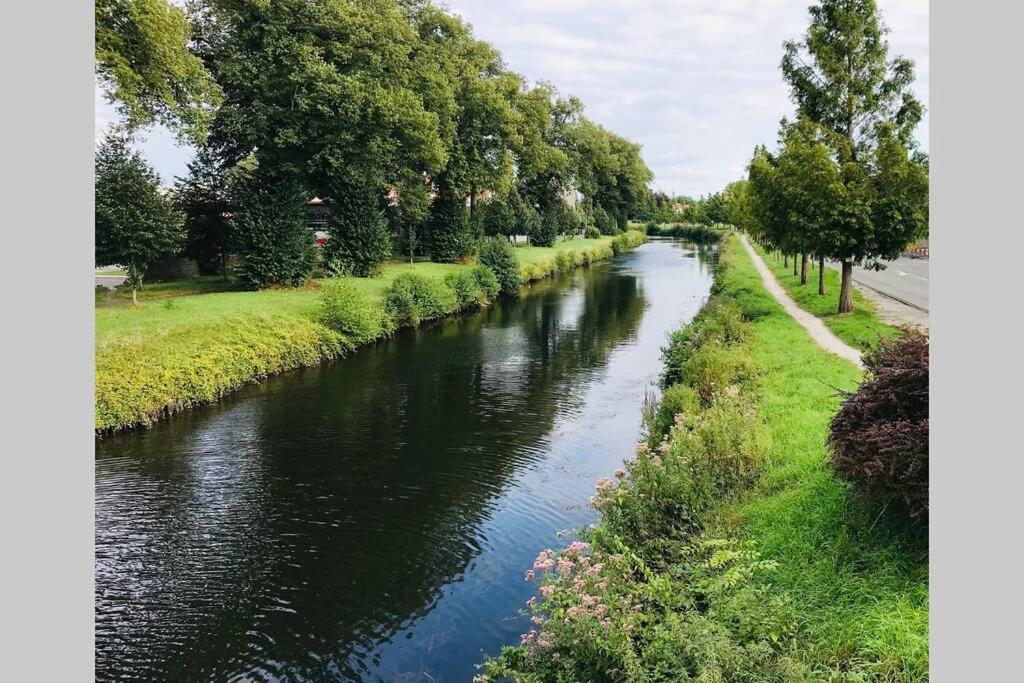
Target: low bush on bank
[(500, 256), (413, 298), (487, 281), (879, 438), (345, 308)]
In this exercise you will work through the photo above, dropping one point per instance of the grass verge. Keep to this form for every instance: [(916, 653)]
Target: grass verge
[(860, 328), (174, 352), (727, 550)]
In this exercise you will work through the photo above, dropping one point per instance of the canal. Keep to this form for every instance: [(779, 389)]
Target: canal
[(372, 519)]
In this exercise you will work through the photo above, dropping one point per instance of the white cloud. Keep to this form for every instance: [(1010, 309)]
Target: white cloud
[(696, 82)]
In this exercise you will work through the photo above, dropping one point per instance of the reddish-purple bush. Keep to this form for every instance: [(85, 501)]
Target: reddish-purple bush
[(879, 438)]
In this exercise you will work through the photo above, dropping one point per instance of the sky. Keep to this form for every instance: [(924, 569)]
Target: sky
[(695, 82)]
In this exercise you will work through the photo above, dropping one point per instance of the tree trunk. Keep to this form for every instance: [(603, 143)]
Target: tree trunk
[(803, 269), (795, 271), (846, 291), (785, 260), (821, 277), (135, 298)]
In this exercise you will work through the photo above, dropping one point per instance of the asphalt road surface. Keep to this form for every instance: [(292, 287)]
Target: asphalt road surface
[(904, 279), (109, 281)]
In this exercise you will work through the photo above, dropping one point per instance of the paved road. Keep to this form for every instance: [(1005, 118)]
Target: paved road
[(905, 279), (109, 281)]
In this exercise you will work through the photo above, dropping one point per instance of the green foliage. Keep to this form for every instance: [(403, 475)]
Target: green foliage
[(592, 232), (690, 231), (205, 199), (487, 281), (359, 238), (546, 231), (413, 298), (705, 350), (468, 292), (346, 309), (274, 239), (659, 417), (144, 64), (605, 222), (500, 257), (451, 236), (136, 226)]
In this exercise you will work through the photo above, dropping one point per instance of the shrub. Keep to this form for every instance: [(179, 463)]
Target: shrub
[(450, 233), (359, 241), (466, 288), (274, 238), (660, 416), (345, 308), (605, 222), (546, 230), (608, 617), (412, 298), (487, 281), (564, 260), (879, 438), (719, 323), (592, 233), (712, 368), (500, 256)]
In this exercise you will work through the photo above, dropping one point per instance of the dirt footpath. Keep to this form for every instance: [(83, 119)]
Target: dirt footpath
[(810, 322)]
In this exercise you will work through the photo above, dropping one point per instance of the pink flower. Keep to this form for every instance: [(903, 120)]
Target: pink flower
[(529, 575), (620, 473), (547, 591), (596, 569), (642, 448), (546, 640), (531, 602), (564, 565), (537, 619)]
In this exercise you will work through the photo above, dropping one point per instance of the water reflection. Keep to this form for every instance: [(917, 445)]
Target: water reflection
[(370, 520)]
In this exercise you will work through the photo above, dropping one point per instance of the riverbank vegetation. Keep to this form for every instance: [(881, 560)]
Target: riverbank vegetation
[(727, 549), (168, 355)]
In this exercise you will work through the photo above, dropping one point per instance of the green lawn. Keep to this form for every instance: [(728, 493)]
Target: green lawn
[(859, 328), (859, 584)]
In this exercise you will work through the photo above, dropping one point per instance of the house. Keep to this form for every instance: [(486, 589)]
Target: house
[(319, 211)]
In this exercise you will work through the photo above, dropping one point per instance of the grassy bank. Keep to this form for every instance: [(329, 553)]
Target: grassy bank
[(726, 549), (177, 351), (859, 328)]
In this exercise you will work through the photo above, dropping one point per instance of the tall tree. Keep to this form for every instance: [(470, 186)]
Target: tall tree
[(272, 229), (204, 198), (321, 93), (144, 65), (136, 225), (840, 77)]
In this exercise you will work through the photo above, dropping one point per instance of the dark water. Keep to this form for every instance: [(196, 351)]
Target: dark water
[(371, 520)]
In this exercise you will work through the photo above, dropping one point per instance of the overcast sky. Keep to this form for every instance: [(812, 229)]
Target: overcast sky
[(696, 82)]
